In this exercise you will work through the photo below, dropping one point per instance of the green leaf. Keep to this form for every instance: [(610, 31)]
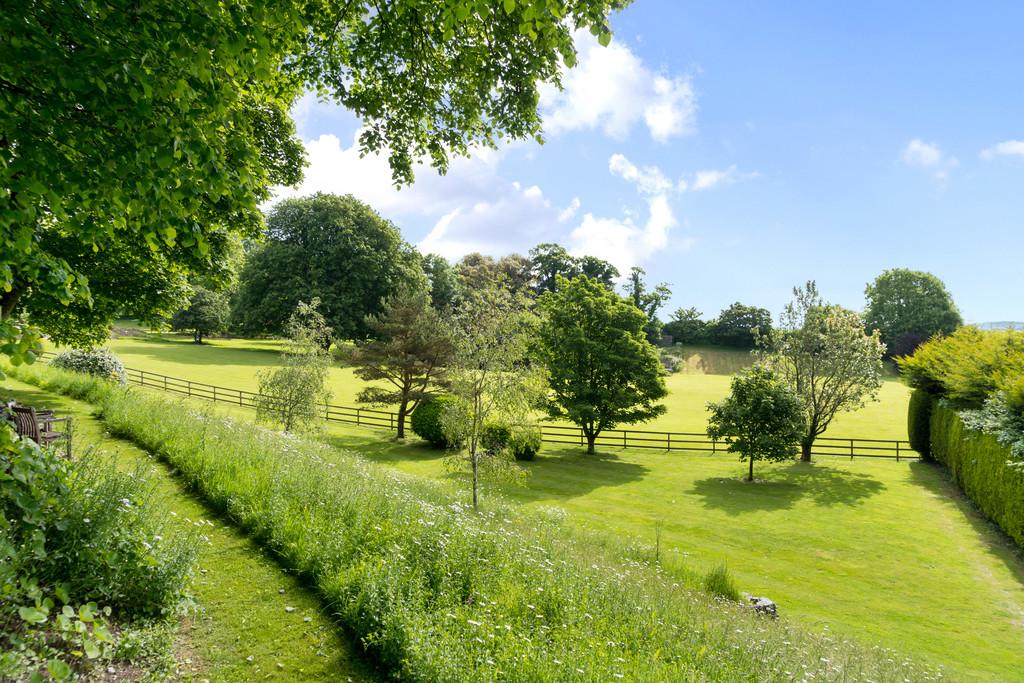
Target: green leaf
[(32, 615), (510, 5), (605, 38), (58, 669)]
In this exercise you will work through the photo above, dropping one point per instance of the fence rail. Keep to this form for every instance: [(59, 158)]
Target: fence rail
[(555, 434)]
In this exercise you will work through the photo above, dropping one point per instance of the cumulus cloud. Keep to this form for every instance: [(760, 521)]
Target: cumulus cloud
[(611, 89), (928, 155), (649, 179), (1009, 148)]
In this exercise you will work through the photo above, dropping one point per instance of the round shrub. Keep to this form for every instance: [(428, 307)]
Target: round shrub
[(525, 443), (98, 362), (919, 414), (495, 437), (426, 421)]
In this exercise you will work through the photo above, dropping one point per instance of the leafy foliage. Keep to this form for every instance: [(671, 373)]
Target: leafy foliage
[(981, 467), (549, 261), (648, 301), (444, 281), (761, 419), (739, 325), (687, 327), (410, 348), (822, 352), (294, 395), (207, 313), (426, 421), (602, 371), (99, 362), (338, 249), (919, 415), (907, 307)]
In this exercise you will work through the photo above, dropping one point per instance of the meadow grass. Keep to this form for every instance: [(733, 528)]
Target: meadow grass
[(240, 596), (234, 363), (437, 592)]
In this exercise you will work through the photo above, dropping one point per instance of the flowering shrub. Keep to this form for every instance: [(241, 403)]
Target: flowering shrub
[(98, 362)]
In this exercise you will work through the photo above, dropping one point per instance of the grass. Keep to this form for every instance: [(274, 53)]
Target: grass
[(234, 363), (438, 593), (240, 595)]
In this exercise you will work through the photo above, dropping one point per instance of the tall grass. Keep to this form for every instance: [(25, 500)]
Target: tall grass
[(436, 592)]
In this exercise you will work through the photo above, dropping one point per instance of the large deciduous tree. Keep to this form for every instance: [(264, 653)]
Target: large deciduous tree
[(647, 300), (761, 419), (687, 327), (164, 124), (549, 261), (602, 371), (206, 314), (410, 349), (335, 248), (823, 354), (907, 307), (739, 324)]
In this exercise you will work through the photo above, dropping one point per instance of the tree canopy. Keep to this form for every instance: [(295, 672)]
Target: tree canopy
[(647, 300), (602, 371), (738, 325), (549, 261), (206, 313), (907, 307), (761, 419), (334, 248), (160, 127), (823, 354)]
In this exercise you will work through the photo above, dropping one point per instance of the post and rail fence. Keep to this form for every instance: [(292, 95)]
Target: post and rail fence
[(553, 434)]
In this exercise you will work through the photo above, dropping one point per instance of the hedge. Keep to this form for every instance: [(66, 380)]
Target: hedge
[(978, 464), (919, 414)]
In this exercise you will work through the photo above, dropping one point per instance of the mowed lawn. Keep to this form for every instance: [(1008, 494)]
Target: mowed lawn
[(234, 363), (885, 552)]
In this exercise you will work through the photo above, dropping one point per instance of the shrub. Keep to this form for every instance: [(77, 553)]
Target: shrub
[(98, 362), (718, 582), (525, 443), (426, 421), (981, 467), (919, 414), (495, 437)]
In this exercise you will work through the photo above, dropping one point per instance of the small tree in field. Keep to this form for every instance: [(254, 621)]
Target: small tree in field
[(490, 378), (294, 395), (823, 354), (602, 370), (412, 348), (762, 419), (207, 313)]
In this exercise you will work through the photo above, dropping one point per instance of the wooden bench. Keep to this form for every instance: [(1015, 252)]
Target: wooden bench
[(38, 426)]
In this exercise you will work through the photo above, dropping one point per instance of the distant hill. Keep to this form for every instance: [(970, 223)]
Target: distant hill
[(1002, 325)]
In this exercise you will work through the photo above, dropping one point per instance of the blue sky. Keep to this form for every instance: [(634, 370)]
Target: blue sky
[(735, 150)]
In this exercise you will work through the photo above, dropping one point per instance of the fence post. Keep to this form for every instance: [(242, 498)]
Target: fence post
[(215, 394), (851, 449), (188, 388), (358, 411), (142, 378), (897, 450), (714, 446), (240, 397), (623, 438), (669, 444), (165, 382)]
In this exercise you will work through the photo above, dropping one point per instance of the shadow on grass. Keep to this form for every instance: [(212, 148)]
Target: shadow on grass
[(935, 478), (781, 488)]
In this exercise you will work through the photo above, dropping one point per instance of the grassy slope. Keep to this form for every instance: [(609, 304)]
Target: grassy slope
[(241, 595), (234, 363)]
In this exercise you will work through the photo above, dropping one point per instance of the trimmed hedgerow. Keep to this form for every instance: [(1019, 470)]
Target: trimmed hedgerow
[(980, 466), (426, 421), (437, 592), (919, 414)]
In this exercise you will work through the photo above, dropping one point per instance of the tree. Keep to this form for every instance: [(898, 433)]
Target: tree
[(444, 281), (549, 261), (295, 394), (823, 354), (738, 325), (338, 249), (647, 301), (761, 419), (907, 307), (206, 314), (409, 349), (478, 271), (686, 326), (168, 124), (602, 371), (490, 377), (598, 269)]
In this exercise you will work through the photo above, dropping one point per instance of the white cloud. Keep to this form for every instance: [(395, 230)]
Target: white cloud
[(622, 242), (649, 179), (928, 155), (1005, 149), (705, 180), (611, 89), (569, 212)]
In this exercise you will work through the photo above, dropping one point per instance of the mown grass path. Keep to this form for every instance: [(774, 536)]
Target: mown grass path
[(246, 607)]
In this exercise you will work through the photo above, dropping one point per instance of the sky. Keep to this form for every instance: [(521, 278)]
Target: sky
[(737, 149)]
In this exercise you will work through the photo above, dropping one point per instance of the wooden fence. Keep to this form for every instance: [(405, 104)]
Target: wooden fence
[(554, 434)]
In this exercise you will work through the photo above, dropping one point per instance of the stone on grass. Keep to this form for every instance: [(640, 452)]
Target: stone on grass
[(762, 605)]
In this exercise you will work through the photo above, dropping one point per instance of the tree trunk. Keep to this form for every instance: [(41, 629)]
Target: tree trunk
[(805, 448), (472, 457), (750, 474), (402, 407), (197, 337), (591, 438)]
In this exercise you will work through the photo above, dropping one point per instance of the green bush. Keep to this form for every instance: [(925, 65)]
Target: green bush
[(426, 421), (495, 437), (981, 467), (525, 443), (919, 414), (98, 362), (437, 592)]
